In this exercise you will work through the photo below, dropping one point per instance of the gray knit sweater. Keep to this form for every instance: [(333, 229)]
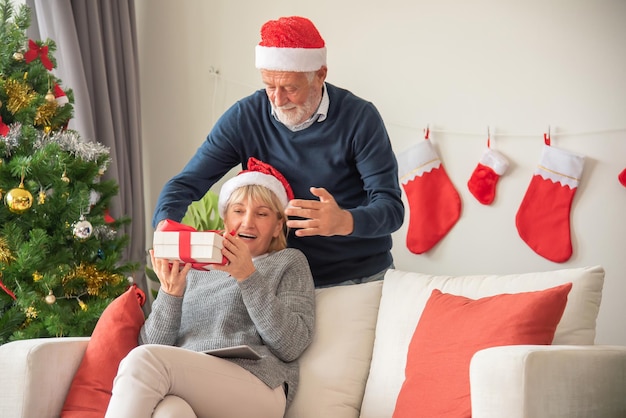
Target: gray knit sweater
[(273, 311)]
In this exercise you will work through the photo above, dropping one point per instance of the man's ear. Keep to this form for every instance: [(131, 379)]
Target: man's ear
[(321, 73)]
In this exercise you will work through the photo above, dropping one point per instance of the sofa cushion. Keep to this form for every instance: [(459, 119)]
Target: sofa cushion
[(453, 328), (405, 294), (334, 368), (115, 334)]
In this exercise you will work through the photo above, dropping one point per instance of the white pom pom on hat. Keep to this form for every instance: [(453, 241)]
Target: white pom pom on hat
[(290, 44), (260, 173)]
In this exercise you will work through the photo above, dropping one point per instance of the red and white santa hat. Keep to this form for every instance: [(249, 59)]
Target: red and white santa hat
[(290, 44), (60, 95), (259, 173)]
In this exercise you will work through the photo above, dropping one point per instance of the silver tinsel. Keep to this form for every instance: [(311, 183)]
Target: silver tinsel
[(71, 141), (103, 232), (12, 139)]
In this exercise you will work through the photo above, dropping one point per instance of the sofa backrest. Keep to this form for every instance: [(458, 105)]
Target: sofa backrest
[(362, 334), (334, 368), (405, 294)]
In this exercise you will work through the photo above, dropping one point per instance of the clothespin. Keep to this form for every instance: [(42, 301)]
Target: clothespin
[(546, 136)]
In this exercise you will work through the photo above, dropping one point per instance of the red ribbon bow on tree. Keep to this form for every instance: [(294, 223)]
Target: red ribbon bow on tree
[(4, 129), (35, 51)]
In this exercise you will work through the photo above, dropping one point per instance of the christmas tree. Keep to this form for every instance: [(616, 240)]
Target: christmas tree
[(60, 251)]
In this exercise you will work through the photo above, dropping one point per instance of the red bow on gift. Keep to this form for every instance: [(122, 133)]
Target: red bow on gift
[(184, 242), (38, 51)]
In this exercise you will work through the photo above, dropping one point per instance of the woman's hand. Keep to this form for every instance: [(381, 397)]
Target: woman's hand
[(173, 279), (239, 264)]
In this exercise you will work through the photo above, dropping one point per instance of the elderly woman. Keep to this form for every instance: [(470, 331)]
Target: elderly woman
[(263, 297)]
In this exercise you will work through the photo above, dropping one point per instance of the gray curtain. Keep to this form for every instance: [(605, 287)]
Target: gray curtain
[(97, 58)]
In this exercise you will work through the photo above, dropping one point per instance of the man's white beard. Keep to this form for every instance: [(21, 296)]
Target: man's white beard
[(292, 118)]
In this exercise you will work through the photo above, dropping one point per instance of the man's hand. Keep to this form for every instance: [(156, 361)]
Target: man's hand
[(323, 217)]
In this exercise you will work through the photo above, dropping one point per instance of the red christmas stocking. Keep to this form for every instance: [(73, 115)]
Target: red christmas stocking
[(434, 203), (482, 183), (543, 218), (622, 177)]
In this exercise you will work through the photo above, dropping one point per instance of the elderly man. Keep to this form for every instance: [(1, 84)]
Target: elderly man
[(331, 145)]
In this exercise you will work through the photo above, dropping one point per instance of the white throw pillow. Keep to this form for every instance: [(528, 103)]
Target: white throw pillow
[(334, 368), (405, 294)]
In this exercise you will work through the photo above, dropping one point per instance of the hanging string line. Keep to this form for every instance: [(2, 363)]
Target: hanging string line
[(553, 133), (219, 78)]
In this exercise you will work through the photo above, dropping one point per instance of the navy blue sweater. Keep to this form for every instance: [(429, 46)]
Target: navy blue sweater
[(349, 154)]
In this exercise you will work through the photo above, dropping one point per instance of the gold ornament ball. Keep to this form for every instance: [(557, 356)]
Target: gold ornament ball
[(50, 299), (50, 97), (18, 56), (18, 200)]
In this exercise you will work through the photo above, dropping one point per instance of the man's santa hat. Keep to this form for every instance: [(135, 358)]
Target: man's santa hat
[(290, 44), (259, 173)]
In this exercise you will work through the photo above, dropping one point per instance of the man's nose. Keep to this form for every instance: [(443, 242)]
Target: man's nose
[(280, 98)]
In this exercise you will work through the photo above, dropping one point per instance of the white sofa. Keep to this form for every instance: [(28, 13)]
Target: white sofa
[(355, 366)]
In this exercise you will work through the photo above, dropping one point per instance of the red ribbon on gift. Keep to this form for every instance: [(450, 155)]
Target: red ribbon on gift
[(35, 51), (184, 242)]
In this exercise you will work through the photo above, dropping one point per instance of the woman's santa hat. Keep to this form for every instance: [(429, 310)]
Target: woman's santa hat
[(290, 44), (259, 173)]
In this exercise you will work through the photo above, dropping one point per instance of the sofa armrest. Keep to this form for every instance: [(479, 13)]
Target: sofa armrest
[(36, 375), (555, 381)]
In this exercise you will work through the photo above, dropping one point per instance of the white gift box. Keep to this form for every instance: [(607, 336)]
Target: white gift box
[(204, 247)]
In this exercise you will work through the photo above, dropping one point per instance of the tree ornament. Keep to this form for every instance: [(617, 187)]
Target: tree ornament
[(50, 299), (18, 56), (64, 177), (82, 229), (59, 96), (50, 97), (37, 276), (5, 252), (38, 51), (4, 129), (20, 95), (6, 289), (19, 200), (45, 113), (82, 305), (41, 198)]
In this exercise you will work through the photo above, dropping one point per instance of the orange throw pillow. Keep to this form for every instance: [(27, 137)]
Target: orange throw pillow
[(115, 334), (453, 328)]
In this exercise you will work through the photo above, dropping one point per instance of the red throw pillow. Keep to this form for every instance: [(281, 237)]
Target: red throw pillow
[(453, 328), (115, 334)]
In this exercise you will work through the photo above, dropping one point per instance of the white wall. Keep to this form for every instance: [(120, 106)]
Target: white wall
[(517, 66)]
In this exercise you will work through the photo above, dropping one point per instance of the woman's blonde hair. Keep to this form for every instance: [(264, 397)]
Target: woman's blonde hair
[(262, 194)]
